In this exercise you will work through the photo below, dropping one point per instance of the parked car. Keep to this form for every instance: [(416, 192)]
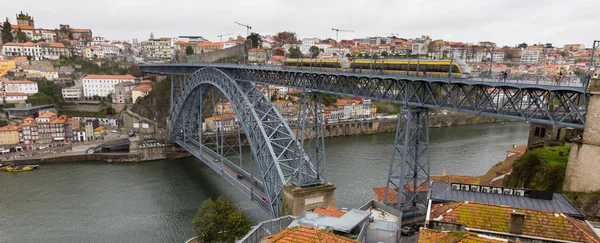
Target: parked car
[(131, 134), (265, 199), (240, 176), (407, 230)]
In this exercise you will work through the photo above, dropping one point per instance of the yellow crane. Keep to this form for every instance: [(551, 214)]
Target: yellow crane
[(248, 28), (337, 31), (221, 36)]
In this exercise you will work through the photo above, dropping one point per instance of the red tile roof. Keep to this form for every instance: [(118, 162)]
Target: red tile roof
[(329, 211), (22, 27), (213, 44), (18, 82), (93, 76), (9, 128), (496, 218), (455, 179), (219, 118), (143, 88), (16, 94), (302, 234), (257, 50), (47, 115)]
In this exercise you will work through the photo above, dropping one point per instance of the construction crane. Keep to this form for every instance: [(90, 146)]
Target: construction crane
[(221, 36), (337, 31), (389, 34), (248, 28)]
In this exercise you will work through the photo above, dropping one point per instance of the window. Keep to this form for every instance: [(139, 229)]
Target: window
[(540, 132)]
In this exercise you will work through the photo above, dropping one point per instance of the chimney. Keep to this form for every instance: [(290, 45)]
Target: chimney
[(516, 223), (444, 174)]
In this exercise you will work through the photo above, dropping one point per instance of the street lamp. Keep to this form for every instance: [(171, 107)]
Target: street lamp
[(588, 74), (491, 57)]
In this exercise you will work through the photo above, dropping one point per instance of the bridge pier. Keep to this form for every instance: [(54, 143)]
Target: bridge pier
[(408, 176), (299, 199), (583, 166)]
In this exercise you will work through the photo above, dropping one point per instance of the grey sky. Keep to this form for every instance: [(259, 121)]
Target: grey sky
[(507, 22)]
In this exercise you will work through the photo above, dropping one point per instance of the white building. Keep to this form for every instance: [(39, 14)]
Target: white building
[(14, 97), (230, 43), (531, 55), (323, 46), (419, 49), (37, 51), (108, 49), (157, 50), (97, 40), (103, 85), (72, 93), (307, 43), (340, 51), (20, 86)]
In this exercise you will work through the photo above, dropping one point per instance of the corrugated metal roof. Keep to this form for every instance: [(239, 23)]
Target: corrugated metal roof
[(442, 192), (344, 224)]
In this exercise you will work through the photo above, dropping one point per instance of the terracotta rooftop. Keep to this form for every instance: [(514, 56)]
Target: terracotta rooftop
[(93, 76), (302, 234), (214, 44), (142, 88), (219, 118), (80, 30), (47, 115), (329, 211), (22, 27), (455, 179), (16, 94), (518, 150), (260, 50), (18, 82), (434, 236), (538, 223), (146, 81), (379, 192), (9, 128), (100, 128)]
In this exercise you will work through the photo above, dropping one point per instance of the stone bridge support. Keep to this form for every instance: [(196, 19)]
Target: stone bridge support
[(583, 169)]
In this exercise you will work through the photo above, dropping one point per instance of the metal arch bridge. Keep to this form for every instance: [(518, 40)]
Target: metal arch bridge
[(283, 159)]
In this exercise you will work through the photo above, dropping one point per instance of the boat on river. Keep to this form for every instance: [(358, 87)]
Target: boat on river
[(19, 168)]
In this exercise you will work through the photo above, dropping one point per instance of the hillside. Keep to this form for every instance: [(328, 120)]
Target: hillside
[(541, 169), (156, 104)]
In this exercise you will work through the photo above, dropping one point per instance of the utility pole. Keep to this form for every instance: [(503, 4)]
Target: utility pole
[(248, 28), (337, 32)]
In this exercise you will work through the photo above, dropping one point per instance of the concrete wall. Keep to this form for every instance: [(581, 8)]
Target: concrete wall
[(213, 56), (553, 135), (152, 153)]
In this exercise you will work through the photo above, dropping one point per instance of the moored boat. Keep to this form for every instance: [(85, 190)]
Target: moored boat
[(19, 168)]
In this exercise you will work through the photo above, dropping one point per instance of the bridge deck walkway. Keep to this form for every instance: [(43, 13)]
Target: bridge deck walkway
[(253, 190)]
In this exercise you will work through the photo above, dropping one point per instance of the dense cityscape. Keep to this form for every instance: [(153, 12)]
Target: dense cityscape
[(71, 95)]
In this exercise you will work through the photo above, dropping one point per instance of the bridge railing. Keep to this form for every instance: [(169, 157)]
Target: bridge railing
[(552, 80)]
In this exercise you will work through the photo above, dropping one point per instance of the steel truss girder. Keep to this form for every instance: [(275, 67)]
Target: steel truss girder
[(408, 175), (545, 104), (310, 132), (274, 147)]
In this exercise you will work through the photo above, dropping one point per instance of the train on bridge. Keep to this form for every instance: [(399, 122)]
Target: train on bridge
[(409, 67)]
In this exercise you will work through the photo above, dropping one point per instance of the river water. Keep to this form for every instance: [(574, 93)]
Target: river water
[(156, 201)]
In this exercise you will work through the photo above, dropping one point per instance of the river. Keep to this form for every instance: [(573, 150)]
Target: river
[(156, 201)]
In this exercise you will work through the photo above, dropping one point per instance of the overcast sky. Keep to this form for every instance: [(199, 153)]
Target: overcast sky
[(506, 22)]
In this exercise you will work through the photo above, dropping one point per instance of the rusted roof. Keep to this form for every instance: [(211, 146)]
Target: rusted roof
[(329, 211), (219, 118), (304, 234), (455, 179), (434, 236), (538, 223), (9, 128), (518, 150)]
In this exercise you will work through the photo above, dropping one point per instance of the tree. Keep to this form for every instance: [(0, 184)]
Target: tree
[(522, 45), (329, 40), (3, 123), (548, 45), (6, 34), (294, 52), (220, 221), (286, 37), (110, 111), (348, 55), (328, 99), (21, 36), (384, 54), (314, 51), (256, 40), (189, 50), (29, 59)]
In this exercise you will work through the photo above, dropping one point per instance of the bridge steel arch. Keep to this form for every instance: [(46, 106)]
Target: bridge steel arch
[(279, 156)]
